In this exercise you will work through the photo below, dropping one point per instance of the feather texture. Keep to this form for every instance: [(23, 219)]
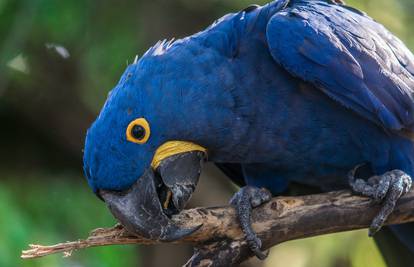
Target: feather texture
[(348, 56)]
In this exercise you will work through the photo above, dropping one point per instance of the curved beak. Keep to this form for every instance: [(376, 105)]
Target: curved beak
[(144, 209)]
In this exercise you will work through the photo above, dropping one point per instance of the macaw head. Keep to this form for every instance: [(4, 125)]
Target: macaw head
[(141, 155)]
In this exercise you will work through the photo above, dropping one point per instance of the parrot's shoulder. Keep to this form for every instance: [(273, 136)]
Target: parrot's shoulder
[(348, 56)]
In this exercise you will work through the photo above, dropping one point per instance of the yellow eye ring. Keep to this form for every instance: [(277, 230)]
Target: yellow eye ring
[(138, 131)]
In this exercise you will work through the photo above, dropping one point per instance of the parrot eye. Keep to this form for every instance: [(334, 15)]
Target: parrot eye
[(138, 131)]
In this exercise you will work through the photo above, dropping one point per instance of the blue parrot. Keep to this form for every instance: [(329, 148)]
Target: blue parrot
[(306, 92)]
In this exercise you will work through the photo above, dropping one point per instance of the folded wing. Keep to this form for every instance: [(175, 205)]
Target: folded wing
[(348, 56)]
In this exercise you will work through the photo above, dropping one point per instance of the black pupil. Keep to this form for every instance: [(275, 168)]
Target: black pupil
[(138, 132)]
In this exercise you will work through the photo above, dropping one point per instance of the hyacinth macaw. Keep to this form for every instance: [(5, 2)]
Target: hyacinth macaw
[(309, 92)]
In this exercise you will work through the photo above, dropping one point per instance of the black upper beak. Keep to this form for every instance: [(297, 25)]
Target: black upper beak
[(139, 208)]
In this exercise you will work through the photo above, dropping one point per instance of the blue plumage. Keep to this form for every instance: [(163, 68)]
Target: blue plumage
[(294, 91), (362, 65)]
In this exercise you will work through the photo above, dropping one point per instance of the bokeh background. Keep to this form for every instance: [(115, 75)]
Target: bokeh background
[(58, 60)]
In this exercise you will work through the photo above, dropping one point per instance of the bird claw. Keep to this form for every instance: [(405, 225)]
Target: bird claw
[(244, 201), (255, 244), (387, 188)]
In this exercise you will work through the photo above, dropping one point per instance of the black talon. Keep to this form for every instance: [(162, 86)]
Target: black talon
[(244, 201), (386, 188)]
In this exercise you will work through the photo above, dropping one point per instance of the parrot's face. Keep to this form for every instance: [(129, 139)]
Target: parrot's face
[(136, 162)]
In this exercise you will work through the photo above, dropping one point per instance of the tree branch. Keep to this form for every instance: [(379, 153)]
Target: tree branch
[(220, 241)]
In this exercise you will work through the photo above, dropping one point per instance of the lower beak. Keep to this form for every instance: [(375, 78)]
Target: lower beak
[(180, 174), (143, 209)]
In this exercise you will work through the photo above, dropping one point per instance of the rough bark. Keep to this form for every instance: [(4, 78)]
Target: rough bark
[(220, 241)]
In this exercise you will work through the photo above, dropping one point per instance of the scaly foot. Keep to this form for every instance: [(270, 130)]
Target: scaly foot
[(387, 188), (244, 201)]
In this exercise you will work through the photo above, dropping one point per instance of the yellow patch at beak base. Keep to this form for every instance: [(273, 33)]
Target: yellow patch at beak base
[(171, 148)]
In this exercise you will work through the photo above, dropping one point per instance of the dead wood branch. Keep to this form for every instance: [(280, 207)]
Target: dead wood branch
[(220, 241)]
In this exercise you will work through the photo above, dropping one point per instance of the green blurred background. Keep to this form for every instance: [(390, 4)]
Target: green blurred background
[(58, 60)]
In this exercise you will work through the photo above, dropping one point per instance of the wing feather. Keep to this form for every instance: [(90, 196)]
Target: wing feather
[(348, 56)]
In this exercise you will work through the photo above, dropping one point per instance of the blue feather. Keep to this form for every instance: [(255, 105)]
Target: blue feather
[(294, 91), (346, 55)]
